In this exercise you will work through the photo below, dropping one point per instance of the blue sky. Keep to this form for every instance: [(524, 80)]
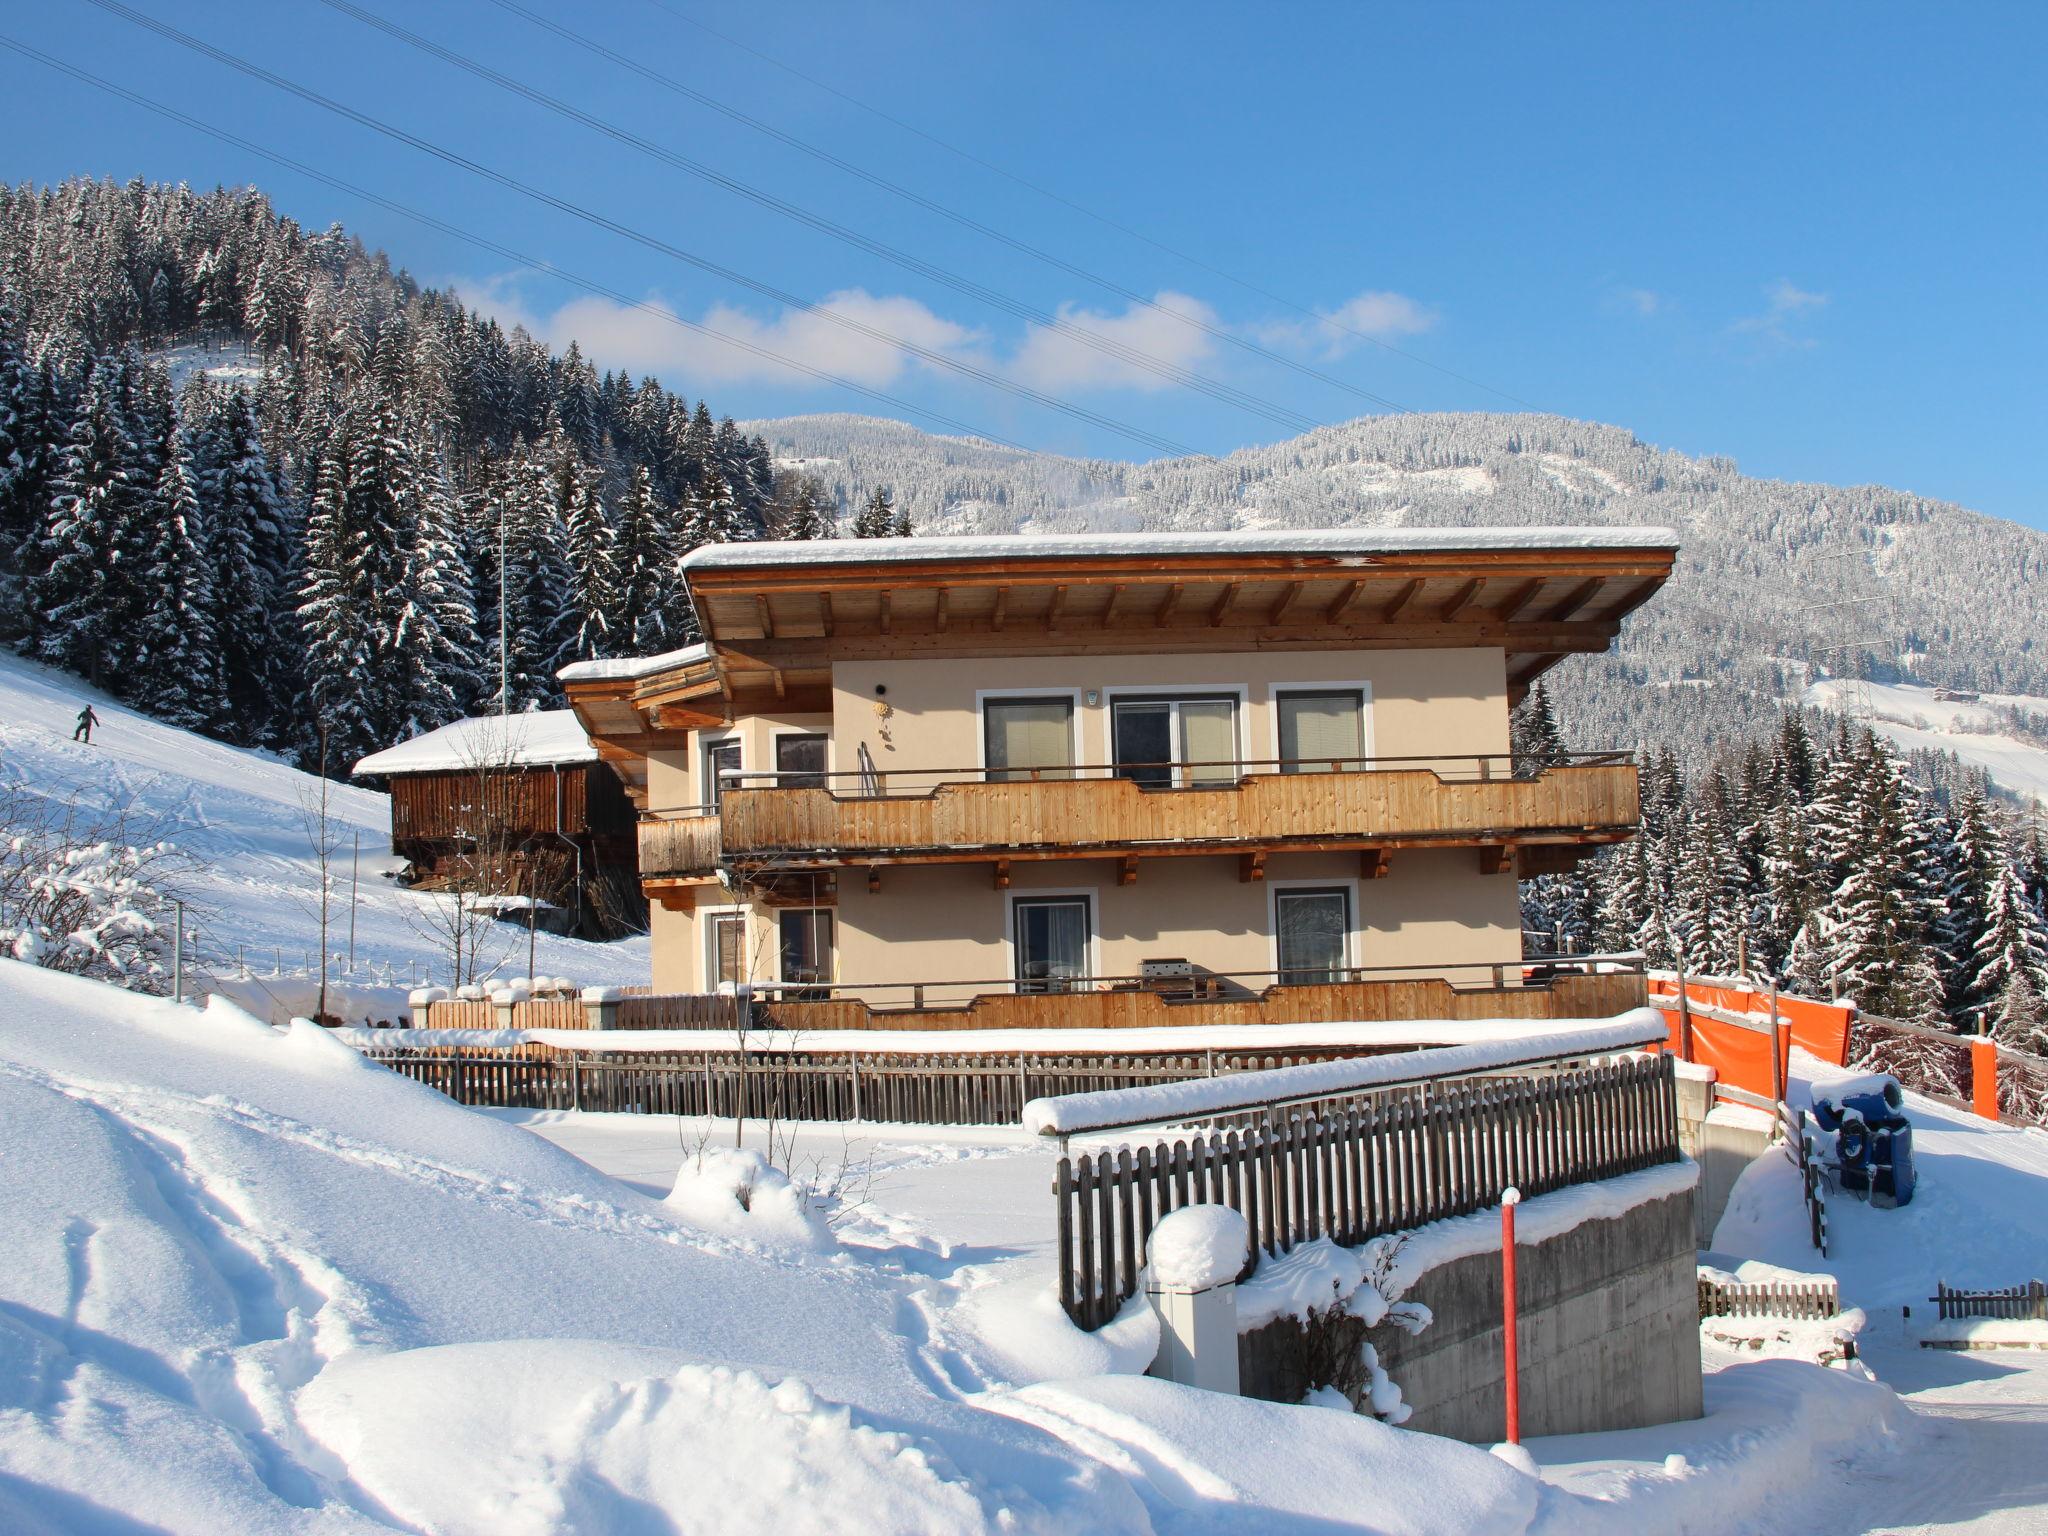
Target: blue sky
[(1805, 237)]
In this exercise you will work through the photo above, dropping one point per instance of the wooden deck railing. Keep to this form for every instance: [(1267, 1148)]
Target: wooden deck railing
[(679, 844), (1409, 1158), (1388, 806)]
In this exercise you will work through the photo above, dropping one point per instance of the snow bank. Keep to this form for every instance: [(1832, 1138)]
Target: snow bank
[(1198, 1247), (1341, 545), (1989, 1332), (737, 1192), (1202, 1098), (540, 738)]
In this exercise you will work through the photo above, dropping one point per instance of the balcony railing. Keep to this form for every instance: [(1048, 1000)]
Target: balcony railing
[(1393, 802), (683, 842), (1574, 987)]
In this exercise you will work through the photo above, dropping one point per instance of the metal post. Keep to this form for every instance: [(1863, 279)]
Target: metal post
[(178, 954), (1509, 1199), (853, 1066), (1778, 1063), (355, 861), (1684, 1015)]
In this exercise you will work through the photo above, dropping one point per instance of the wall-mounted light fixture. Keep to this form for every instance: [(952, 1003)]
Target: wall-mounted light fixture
[(1092, 697)]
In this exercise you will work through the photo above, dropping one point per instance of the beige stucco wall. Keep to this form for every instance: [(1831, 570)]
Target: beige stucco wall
[(1452, 702), (675, 779)]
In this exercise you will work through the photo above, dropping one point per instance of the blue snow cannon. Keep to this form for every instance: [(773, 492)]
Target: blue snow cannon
[(1873, 1138)]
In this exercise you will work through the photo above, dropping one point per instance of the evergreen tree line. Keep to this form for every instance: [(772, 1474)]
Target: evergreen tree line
[(1821, 860), (320, 539)]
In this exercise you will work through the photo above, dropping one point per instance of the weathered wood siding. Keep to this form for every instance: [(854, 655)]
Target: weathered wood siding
[(1388, 805), (678, 845)]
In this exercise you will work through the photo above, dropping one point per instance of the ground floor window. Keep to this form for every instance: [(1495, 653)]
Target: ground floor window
[(806, 935), (1052, 942), (1313, 932), (726, 948)]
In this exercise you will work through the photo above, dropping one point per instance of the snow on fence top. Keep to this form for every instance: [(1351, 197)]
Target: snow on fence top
[(626, 669), (1170, 1103), (1332, 543), (1165, 1039), (540, 738)]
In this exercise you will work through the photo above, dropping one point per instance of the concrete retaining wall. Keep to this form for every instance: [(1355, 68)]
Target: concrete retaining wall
[(1609, 1335)]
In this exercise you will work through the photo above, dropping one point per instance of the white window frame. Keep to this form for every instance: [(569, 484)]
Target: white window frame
[(1238, 693), (707, 943), (984, 696), (1365, 720), (706, 792), (1052, 893), (775, 738), (1354, 932)]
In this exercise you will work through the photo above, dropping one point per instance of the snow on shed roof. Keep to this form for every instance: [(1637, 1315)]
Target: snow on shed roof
[(538, 739), (1332, 543), (628, 669)]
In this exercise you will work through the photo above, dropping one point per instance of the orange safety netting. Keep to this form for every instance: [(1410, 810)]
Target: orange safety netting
[(1742, 1057)]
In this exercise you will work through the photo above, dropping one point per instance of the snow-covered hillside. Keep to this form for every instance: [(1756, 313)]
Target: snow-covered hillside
[(243, 818), (1977, 728), (1772, 572)]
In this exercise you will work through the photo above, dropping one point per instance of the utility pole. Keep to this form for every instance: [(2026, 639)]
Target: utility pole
[(355, 864), (178, 954), (504, 657)]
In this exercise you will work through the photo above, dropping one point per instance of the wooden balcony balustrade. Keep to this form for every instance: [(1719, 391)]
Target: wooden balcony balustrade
[(679, 844), (1404, 802), (1514, 990)]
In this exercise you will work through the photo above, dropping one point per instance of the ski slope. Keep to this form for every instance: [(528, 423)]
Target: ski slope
[(1911, 716), (244, 817)]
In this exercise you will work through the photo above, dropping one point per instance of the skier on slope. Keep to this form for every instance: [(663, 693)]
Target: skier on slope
[(86, 721)]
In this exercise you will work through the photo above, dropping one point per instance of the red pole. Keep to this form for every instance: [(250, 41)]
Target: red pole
[(1984, 1077), (1508, 1200)]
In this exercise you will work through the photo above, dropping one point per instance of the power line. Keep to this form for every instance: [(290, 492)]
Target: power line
[(1280, 415), (1085, 211), (255, 71), (932, 205), (485, 243)]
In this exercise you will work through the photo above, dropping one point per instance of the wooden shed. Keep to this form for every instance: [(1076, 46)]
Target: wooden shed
[(516, 806)]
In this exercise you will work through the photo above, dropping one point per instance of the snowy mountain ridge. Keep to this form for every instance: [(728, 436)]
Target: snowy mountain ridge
[(1773, 579)]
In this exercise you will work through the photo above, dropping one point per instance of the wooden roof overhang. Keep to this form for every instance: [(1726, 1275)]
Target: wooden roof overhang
[(629, 717), (776, 627)]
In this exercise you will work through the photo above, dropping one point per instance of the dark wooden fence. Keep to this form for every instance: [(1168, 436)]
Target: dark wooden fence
[(1407, 1157), (1799, 1301), (2015, 1303), (982, 1088)]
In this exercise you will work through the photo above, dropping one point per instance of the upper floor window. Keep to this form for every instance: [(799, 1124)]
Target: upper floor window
[(720, 759), (1159, 742), (1321, 731), (1028, 738), (800, 761)]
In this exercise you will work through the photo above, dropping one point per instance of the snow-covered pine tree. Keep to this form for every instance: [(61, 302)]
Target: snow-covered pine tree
[(1534, 736), (251, 541), (1875, 926), (2012, 948), (175, 662), (644, 562), (588, 550), (78, 593), (2020, 1019), (877, 518)]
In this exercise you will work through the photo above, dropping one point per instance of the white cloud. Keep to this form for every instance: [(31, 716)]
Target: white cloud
[(1370, 316), (1785, 302), (1169, 333), (1639, 301), (614, 335)]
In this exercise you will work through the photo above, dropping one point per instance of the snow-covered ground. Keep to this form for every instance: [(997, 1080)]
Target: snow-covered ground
[(243, 816), (1911, 716)]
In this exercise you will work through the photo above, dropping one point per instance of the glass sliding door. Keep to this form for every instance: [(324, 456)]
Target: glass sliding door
[(1028, 738), (720, 759), (800, 762), (1052, 942), (1313, 935), (806, 941), (1162, 742), (1322, 732)]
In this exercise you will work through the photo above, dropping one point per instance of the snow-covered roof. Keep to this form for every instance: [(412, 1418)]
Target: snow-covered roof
[(628, 669), (538, 739), (1328, 543)]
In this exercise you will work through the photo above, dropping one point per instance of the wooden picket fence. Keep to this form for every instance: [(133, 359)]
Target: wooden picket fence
[(1798, 1301), (2016, 1303), (1400, 1159), (981, 1088)]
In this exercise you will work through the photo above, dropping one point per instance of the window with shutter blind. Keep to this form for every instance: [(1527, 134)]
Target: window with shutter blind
[(1321, 732), (1028, 738), (1161, 742)]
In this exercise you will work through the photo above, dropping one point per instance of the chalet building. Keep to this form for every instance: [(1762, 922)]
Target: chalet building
[(1134, 779), (517, 806)]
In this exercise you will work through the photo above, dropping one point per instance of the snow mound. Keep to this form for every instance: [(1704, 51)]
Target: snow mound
[(737, 1192), (1198, 1247), (555, 1436)]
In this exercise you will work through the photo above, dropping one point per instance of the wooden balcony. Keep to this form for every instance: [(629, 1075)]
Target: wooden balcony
[(1388, 803), (1589, 995), (679, 846)]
